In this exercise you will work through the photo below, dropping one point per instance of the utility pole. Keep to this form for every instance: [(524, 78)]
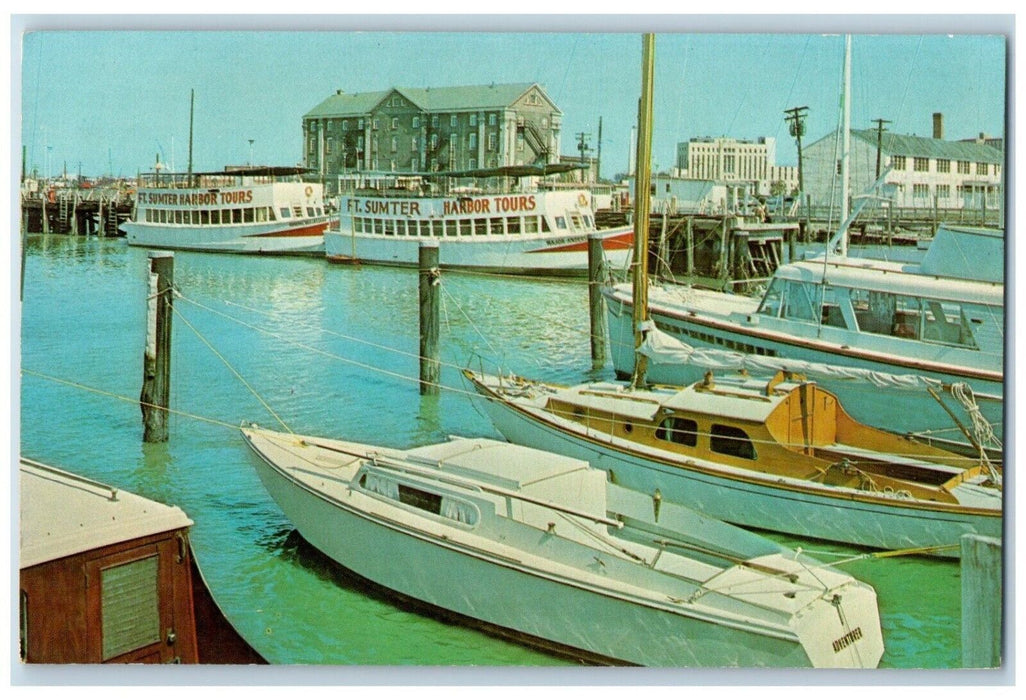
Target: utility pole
[(796, 125), (879, 141), (582, 144)]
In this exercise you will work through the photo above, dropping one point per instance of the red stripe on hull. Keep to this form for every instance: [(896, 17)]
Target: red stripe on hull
[(313, 230), (622, 241)]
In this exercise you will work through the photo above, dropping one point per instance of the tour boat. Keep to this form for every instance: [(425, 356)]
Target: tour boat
[(544, 549), (941, 319), (543, 232), (267, 210), (780, 455)]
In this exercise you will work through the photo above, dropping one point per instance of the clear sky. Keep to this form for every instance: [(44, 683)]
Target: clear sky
[(110, 99)]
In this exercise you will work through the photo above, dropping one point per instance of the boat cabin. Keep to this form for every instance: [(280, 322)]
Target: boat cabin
[(786, 427)]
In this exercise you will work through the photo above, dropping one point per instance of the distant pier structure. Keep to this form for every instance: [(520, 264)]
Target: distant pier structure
[(76, 210)]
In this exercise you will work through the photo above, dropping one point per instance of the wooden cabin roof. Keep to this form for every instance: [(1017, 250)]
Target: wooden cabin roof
[(64, 514)]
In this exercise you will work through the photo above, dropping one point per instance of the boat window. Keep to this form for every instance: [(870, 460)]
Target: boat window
[(480, 227), (575, 222), (178, 217), (310, 211), (682, 431), (236, 216), (466, 227), (946, 322), (247, 215), (188, 217), (513, 225), (284, 212), (495, 227), (545, 225), (588, 222), (297, 211), (389, 227), (530, 224), (204, 217), (437, 227), (452, 227), (728, 440), (560, 222), (801, 301)]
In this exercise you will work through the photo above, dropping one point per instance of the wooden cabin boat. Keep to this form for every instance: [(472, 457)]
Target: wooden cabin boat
[(779, 455), (514, 231), (543, 548), (107, 576), (266, 210)]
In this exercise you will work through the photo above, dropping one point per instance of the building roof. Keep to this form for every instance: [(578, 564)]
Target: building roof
[(912, 146), (63, 514), (430, 99)]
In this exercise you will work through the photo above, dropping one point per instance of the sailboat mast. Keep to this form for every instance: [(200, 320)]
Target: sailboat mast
[(642, 204), (192, 99), (845, 139)]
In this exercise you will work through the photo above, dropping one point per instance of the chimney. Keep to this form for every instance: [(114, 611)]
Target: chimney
[(338, 92), (938, 125)]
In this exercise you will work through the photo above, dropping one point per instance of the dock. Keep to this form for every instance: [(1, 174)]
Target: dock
[(94, 211)]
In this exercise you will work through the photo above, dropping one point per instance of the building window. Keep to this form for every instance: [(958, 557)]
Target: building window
[(359, 124), (898, 162), (374, 124), (920, 190), (473, 119), (982, 169), (921, 165), (520, 140), (434, 120), (472, 163), (395, 145), (434, 141), (328, 144), (963, 167), (413, 143), (944, 191), (395, 123), (416, 122), (491, 119), (472, 141), (491, 142), (452, 121), (943, 165)]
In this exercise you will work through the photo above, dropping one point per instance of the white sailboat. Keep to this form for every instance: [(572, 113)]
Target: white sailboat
[(941, 321), (779, 454), (544, 549)]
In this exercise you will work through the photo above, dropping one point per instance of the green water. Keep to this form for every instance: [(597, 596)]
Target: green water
[(331, 350)]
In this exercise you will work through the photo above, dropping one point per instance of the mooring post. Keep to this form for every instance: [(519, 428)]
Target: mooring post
[(595, 307), (981, 601), (156, 388), (430, 278)]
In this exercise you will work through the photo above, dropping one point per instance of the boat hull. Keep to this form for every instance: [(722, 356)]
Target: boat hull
[(522, 254), (455, 577), (748, 498), (305, 238), (900, 411)]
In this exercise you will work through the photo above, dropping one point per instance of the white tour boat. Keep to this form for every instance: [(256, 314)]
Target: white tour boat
[(240, 210), (519, 232), (544, 549), (941, 319)]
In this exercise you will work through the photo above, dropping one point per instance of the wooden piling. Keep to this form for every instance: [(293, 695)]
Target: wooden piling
[(595, 305), (981, 601), (156, 388), (430, 278)]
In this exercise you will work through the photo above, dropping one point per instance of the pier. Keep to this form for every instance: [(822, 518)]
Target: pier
[(78, 211)]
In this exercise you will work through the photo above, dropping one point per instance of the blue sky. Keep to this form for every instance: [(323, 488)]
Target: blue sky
[(108, 101)]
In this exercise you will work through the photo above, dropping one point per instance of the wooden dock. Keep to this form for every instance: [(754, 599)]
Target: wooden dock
[(77, 211)]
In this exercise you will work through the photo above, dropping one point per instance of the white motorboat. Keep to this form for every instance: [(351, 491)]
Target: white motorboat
[(545, 549)]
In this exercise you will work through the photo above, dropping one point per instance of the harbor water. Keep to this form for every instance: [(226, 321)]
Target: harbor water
[(329, 351)]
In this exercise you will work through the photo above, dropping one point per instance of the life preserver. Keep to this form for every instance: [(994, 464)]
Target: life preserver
[(309, 190), (582, 200)]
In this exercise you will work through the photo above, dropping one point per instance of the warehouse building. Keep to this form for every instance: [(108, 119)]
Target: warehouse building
[(417, 130)]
